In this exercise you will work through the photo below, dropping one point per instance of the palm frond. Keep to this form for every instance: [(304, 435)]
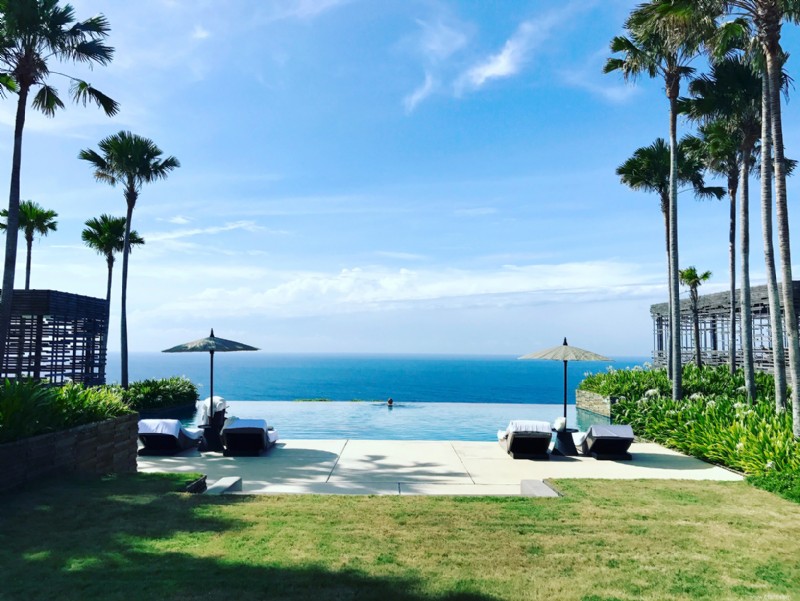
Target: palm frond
[(47, 100), (84, 92)]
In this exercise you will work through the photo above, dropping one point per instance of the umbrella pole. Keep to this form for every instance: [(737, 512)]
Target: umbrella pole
[(565, 392), (211, 410)]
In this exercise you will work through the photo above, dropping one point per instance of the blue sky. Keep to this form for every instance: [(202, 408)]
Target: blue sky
[(403, 176)]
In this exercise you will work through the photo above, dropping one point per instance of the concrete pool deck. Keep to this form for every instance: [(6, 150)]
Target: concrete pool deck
[(397, 467)]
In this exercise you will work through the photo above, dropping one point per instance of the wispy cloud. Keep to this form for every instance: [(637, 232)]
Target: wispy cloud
[(177, 220), (200, 33), (439, 40), (421, 93), (249, 226), (300, 9), (475, 212), (517, 50)]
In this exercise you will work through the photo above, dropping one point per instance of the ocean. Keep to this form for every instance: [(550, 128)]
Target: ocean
[(259, 376)]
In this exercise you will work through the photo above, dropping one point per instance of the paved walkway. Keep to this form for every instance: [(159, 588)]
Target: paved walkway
[(391, 467)]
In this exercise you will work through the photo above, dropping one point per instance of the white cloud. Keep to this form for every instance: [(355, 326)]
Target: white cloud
[(516, 51), (354, 290), (438, 40), (177, 220), (200, 33), (249, 226), (476, 211), (412, 100)]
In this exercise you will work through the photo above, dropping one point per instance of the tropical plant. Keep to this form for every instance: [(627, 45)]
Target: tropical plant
[(649, 170), (106, 235), (728, 100), (161, 394), (664, 52), (131, 161), (691, 278), (33, 219), (762, 21), (34, 33)]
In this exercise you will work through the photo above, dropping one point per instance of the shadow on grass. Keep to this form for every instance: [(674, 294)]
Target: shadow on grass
[(128, 537)]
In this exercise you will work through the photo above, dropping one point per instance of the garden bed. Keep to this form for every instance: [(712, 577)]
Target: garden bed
[(106, 447)]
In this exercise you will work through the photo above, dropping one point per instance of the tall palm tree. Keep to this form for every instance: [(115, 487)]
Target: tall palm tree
[(730, 96), (655, 53), (691, 278), (106, 235), (33, 219), (649, 170), (718, 147), (131, 161), (34, 33)]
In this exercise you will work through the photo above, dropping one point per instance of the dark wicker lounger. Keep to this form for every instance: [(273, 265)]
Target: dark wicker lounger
[(608, 442), (525, 439), (243, 437), (166, 437)]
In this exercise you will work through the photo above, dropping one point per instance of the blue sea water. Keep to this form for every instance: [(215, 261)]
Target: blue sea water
[(436, 398), (258, 376)]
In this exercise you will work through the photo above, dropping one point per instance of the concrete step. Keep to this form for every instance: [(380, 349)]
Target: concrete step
[(225, 485)]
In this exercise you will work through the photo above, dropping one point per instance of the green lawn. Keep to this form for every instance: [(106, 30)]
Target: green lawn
[(133, 537)]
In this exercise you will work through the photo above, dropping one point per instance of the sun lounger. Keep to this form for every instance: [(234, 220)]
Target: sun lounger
[(166, 437), (247, 436), (526, 439), (608, 442)]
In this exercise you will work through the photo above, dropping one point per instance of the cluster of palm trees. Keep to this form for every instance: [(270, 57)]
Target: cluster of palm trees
[(737, 108), (34, 34)]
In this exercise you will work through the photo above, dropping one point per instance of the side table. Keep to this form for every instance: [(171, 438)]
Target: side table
[(565, 445)]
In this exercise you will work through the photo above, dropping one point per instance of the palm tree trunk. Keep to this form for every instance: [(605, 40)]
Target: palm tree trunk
[(784, 248), (124, 299), (104, 342), (733, 185), (12, 225), (698, 361), (29, 244), (746, 318), (775, 317), (665, 204), (675, 309)]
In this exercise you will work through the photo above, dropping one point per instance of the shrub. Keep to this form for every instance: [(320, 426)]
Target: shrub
[(713, 422), (159, 394), (28, 408)]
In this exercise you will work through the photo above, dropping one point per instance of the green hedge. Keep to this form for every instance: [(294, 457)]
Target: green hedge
[(28, 408), (160, 394), (714, 421)]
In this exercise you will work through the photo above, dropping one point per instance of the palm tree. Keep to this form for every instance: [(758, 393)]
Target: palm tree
[(692, 279), (730, 98), (33, 219), (718, 148), (131, 161), (652, 52), (33, 33), (766, 17), (106, 235)]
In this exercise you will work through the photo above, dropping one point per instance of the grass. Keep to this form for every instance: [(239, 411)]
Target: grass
[(130, 537)]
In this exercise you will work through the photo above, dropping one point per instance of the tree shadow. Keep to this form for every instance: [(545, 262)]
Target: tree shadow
[(94, 539)]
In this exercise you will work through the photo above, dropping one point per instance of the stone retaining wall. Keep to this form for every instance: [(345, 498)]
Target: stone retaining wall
[(107, 447), (591, 401)]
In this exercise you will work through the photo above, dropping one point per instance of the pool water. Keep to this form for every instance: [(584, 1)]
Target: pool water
[(402, 421)]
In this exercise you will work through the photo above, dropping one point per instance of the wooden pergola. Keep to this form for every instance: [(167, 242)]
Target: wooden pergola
[(714, 314), (56, 337)]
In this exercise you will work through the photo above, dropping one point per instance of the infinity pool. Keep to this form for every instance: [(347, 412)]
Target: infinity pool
[(403, 421)]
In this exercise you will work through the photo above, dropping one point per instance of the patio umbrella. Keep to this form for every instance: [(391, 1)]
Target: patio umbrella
[(565, 352), (211, 345)]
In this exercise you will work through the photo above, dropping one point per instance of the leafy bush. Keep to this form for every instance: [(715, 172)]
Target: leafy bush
[(713, 422), (159, 394), (28, 408), (785, 484)]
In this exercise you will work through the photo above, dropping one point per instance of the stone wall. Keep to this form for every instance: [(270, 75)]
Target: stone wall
[(107, 447), (591, 401)]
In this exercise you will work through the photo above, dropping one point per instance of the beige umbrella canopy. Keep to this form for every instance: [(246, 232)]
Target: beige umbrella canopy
[(211, 344), (564, 352)]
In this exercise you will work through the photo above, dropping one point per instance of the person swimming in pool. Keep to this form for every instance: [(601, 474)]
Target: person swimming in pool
[(390, 402)]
